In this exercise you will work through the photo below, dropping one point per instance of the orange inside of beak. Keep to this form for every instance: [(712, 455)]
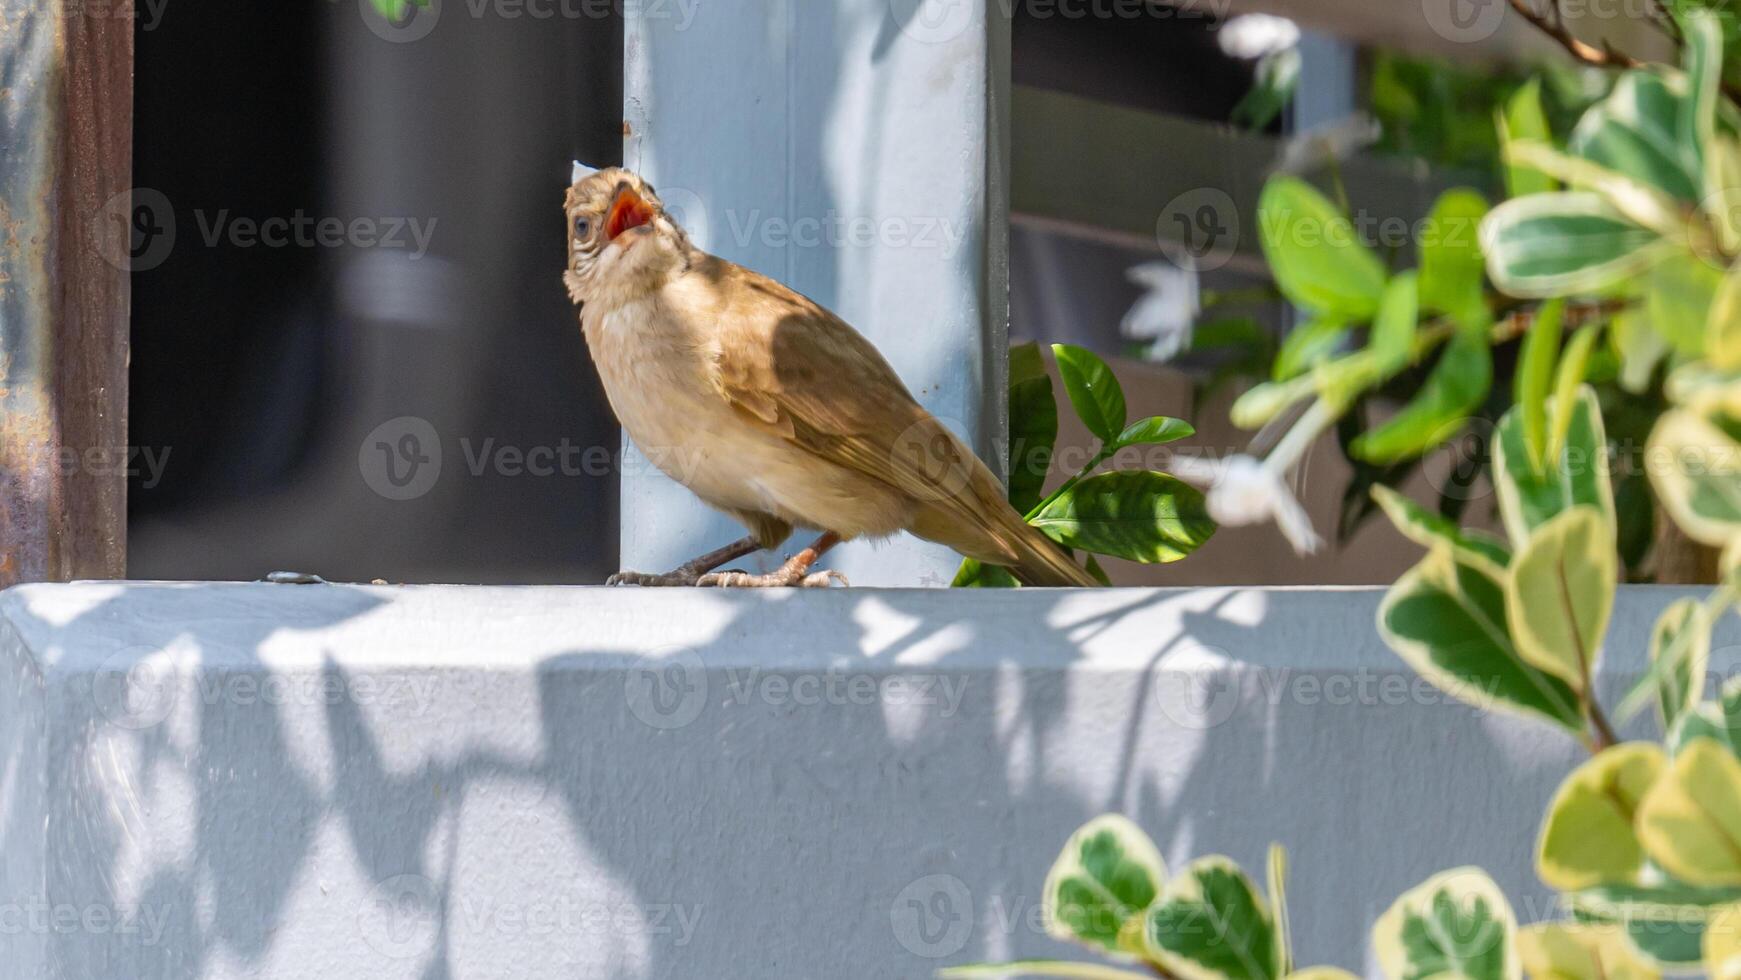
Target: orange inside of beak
[(628, 212)]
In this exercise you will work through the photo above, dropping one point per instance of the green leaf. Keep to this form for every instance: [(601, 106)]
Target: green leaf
[(1587, 836), (1528, 497), (1704, 64), (1721, 950), (1278, 903), (1568, 379), (1392, 338), (1154, 431), (1033, 426), (1722, 333), (1428, 529), (1457, 387), (1718, 720), (1317, 259), (1565, 242), (1272, 85), (1696, 470), (1535, 368), (1264, 402), (1138, 515), (1108, 873), (1524, 119), (1559, 592), (1094, 392), (1664, 922), (1307, 345), (1680, 643), (1452, 270), (1690, 821), (1635, 131), (975, 575), (1581, 951), (1212, 924), (1446, 619), (1678, 301), (1456, 922), (1722, 203)]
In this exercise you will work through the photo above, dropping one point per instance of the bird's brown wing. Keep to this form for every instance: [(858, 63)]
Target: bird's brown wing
[(799, 369)]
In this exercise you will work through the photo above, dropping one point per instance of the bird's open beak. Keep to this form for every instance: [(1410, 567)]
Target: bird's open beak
[(628, 211)]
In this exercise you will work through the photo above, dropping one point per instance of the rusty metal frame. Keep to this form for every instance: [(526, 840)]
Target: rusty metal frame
[(66, 109)]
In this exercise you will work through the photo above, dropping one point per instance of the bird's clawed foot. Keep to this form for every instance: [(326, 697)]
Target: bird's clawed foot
[(782, 579), (794, 574)]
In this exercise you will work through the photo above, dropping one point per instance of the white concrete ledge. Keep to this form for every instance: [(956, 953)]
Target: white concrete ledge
[(228, 781)]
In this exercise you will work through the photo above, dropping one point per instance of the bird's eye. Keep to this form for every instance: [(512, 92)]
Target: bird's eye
[(582, 228)]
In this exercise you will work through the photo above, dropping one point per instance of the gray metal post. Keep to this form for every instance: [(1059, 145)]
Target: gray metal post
[(857, 151)]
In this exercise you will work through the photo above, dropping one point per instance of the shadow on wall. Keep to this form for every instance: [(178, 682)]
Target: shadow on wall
[(866, 783)]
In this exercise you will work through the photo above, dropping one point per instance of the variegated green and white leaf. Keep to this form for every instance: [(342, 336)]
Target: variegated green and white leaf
[(1559, 592), (1455, 923), (1446, 619), (1107, 874), (1530, 496), (1213, 924), (1587, 835)]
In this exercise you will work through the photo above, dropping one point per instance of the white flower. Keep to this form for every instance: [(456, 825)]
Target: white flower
[(1251, 36), (1339, 140), (1165, 314), (1244, 490)]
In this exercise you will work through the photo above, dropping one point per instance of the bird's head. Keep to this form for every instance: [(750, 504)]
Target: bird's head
[(621, 242)]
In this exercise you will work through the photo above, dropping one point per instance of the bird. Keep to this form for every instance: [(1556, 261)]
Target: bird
[(769, 407)]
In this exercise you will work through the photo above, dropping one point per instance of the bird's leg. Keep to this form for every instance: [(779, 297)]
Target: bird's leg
[(795, 573), (690, 572)]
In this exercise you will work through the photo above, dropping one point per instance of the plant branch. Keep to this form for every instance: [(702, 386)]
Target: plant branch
[(1607, 56)]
